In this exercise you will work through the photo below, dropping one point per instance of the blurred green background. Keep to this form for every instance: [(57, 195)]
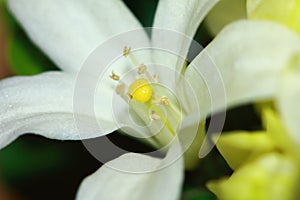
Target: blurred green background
[(35, 168)]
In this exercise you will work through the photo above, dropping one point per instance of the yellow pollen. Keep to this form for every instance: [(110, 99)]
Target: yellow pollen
[(142, 69), (126, 51), (114, 76), (140, 90), (164, 101)]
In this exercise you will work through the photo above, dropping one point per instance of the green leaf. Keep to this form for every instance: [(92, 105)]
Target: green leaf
[(2, 3), (23, 56), (20, 159), (197, 194)]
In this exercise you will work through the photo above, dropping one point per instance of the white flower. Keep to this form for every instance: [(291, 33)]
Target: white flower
[(247, 58)]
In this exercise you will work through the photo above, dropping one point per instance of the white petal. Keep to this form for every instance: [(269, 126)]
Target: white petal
[(41, 104), (71, 29), (249, 56), (288, 100), (182, 18), (191, 134), (108, 183)]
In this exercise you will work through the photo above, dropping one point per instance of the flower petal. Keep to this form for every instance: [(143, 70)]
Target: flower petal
[(69, 30), (278, 132), (288, 100), (283, 12), (268, 177), (248, 57), (181, 18), (237, 148), (41, 104), (109, 183)]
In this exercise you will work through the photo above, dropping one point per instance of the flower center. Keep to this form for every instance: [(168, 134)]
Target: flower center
[(154, 104), (140, 90)]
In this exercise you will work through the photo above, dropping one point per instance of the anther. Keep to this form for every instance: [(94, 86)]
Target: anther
[(154, 116), (142, 69), (130, 96), (126, 51), (164, 101), (114, 76), (120, 89)]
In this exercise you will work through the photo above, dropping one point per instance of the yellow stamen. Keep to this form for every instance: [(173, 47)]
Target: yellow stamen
[(157, 110), (154, 115), (142, 69), (114, 76), (126, 51), (164, 101)]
